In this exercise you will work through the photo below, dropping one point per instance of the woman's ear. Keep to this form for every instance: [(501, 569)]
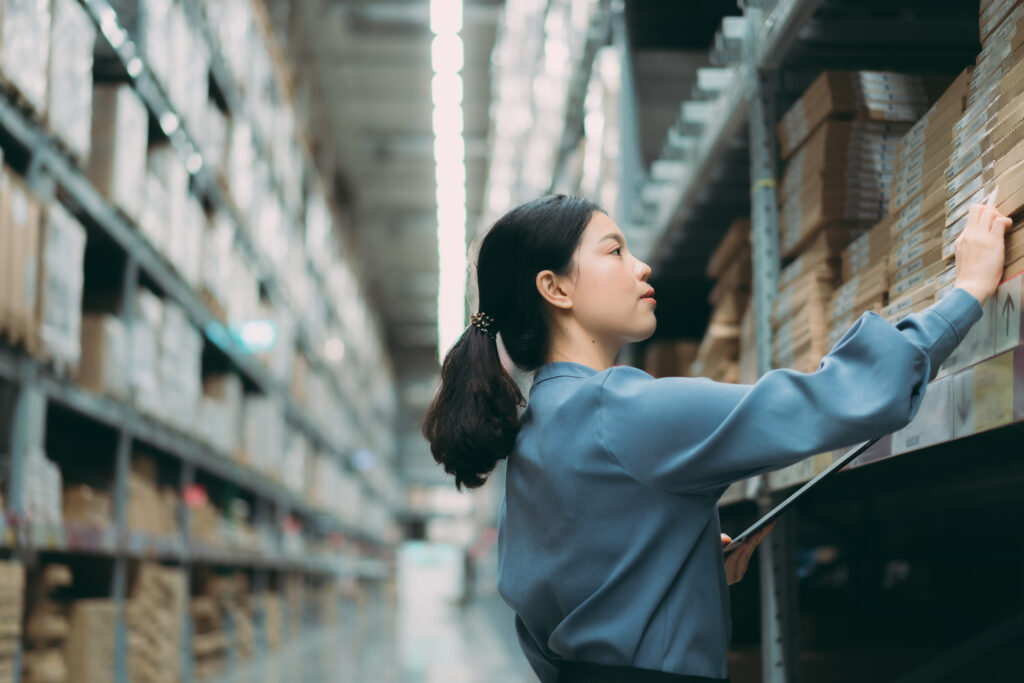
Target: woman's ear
[(554, 289)]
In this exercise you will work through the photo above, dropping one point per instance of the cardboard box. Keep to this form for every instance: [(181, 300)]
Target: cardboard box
[(669, 358), (104, 346), (25, 50), (734, 241), (61, 279), (117, 160), (852, 94), (19, 212), (69, 106)]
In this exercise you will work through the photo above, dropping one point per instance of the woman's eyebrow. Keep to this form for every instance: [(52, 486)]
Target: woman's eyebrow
[(612, 236)]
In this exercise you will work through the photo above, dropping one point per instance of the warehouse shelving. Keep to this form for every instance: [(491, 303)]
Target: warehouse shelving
[(175, 127), (728, 136)]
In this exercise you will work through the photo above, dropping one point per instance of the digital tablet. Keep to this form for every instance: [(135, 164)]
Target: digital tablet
[(839, 464)]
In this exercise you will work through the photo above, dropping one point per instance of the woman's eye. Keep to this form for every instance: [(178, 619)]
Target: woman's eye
[(617, 250)]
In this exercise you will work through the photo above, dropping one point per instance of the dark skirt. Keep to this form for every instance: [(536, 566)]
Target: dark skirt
[(582, 672)]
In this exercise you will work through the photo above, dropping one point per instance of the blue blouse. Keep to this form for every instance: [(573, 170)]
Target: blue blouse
[(609, 544)]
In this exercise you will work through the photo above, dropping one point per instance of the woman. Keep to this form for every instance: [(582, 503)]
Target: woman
[(609, 542)]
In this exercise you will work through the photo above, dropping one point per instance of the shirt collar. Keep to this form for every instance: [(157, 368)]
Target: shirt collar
[(562, 369)]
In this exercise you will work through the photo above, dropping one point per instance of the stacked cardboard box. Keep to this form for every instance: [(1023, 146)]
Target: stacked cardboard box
[(272, 619), (862, 95), (209, 640), (25, 50), (104, 348), (669, 358), (90, 645), (219, 416), (152, 509), (12, 590), (85, 506), (42, 494), (181, 349), (19, 244), (69, 106), (48, 627), (296, 455), (294, 601), (838, 179), (117, 159), (61, 279), (730, 264), (146, 333), (263, 435), (865, 280), (748, 347), (155, 617)]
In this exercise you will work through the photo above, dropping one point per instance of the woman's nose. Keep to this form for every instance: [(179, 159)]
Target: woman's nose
[(643, 271)]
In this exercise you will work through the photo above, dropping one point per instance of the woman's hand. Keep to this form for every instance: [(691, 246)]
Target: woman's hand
[(980, 252), (736, 561)]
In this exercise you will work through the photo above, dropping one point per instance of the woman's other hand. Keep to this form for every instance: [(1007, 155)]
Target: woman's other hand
[(736, 562)]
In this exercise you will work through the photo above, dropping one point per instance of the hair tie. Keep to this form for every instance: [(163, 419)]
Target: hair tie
[(485, 324)]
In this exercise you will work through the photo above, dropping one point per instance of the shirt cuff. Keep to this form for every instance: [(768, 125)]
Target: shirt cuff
[(960, 309)]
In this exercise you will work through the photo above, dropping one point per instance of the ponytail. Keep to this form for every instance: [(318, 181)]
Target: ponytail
[(474, 418)]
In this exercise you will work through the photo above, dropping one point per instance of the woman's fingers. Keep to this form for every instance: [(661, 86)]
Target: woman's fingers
[(726, 540)]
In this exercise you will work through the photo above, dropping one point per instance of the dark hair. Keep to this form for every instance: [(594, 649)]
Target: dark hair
[(473, 420)]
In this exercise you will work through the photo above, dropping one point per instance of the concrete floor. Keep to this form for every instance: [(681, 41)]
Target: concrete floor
[(383, 640)]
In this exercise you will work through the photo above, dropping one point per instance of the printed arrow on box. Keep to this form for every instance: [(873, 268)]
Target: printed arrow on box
[(1008, 308)]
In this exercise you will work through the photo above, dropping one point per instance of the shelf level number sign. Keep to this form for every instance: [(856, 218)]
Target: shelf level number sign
[(1008, 321)]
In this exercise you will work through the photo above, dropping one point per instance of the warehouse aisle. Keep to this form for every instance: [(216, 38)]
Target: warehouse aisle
[(387, 643)]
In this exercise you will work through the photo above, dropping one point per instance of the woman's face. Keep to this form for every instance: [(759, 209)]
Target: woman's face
[(610, 295)]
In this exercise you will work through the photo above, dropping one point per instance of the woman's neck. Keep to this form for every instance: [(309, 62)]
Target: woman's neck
[(571, 343)]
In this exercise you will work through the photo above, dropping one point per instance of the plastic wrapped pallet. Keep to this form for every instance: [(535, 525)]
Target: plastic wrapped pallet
[(25, 49), (181, 348), (262, 434), (19, 221), (61, 278), (117, 160), (166, 196)]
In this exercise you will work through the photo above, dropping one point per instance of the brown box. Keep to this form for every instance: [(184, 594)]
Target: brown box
[(19, 212), (104, 347), (120, 133), (736, 238), (858, 94)]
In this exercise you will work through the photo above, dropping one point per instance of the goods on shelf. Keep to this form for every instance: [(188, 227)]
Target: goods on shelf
[(48, 627), (181, 349), (42, 488), (209, 640), (669, 358), (272, 619), (154, 617), (865, 280), (216, 273), (69, 105), (263, 435), (294, 597), (104, 348), (219, 417), (862, 95), (799, 319), (90, 645), (748, 364), (12, 590), (25, 49), (838, 178), (86, 506), (718, 353), (152, 509), (61, 278), (117, 159), (295, 458), (19, 239), (147, 326)]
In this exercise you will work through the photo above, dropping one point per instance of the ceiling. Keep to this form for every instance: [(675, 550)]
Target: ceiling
[(362, 73)]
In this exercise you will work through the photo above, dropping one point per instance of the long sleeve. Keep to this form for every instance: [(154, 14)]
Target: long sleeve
[(696, 436)]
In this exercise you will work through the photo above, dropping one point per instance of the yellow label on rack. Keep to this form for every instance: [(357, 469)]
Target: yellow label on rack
[(993, 392)]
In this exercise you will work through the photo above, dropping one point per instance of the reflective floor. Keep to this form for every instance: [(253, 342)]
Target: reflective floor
[(388, 640)]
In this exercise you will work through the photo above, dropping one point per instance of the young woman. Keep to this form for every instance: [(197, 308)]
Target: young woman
[(610, 551)]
